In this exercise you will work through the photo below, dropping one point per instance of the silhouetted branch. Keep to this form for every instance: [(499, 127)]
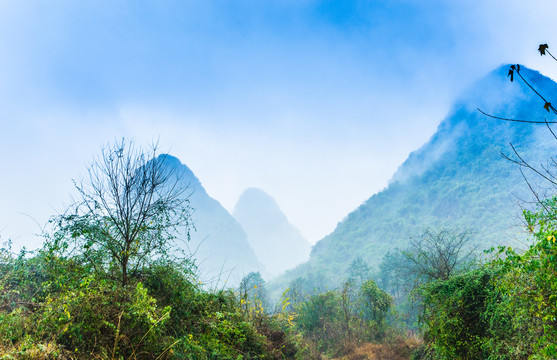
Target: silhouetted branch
[(547, 105), (546, 174), (551, 131), (543, 49), (516, 120)]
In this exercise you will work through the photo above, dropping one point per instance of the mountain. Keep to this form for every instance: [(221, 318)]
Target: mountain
[(276, 242), (218, 244), (458, 179)]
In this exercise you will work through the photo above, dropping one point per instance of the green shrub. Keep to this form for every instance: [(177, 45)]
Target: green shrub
[(100, 317), (51, 307)]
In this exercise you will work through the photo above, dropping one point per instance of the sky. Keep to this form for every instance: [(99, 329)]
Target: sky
[(316, 102)]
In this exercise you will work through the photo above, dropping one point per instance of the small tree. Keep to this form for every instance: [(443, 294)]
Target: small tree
[(359, 272), (376, 301), (347, 303), (394, 274), (437, 255), (252, 291), (129, 209)]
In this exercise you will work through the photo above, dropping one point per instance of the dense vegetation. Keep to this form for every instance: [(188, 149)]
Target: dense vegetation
[(110, 283), (503, 309), (54, 307)]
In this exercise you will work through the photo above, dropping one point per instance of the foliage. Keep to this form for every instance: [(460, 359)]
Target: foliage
[(164, 314), (377, 302), (98, 317), (302, 288), (394, 277), (530, 277), (359, 272), (318, 319), (455, 314), (336, 321), (108, 283), (435, 254), (504, 309), (438, 254), (128, 211), (252, 293)]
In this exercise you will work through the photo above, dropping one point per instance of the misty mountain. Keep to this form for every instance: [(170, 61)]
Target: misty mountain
[(458, 179), (218, 244), (276, 242)]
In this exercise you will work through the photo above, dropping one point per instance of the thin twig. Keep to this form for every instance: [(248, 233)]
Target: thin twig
[(534, 90), (117, 335), (550, 54), (516, 120)]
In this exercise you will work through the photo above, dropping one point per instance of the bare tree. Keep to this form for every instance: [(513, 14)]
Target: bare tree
[(437, 255), (128, 212)]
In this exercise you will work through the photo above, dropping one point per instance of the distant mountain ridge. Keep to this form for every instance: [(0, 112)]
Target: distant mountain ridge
[(219, 244), (276, 242), (458, 179)]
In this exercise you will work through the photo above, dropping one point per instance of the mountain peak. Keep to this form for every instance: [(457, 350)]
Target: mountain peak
[(218, 244), (175, 164), (457, 180), (255, 199), (277, 243), (467, 126)]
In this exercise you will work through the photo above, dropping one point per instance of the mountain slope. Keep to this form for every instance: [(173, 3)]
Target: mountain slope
[(458, 179), (276, 242), (219, 244)]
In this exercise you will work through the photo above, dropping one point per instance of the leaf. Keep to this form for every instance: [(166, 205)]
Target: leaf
[(511, 73), (542, 48)]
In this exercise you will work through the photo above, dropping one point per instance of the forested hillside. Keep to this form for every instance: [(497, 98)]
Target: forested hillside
[(458, 179)]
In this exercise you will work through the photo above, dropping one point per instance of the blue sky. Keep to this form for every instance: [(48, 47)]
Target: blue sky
[(315, 102)]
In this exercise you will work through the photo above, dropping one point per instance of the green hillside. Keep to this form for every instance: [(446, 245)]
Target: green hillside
[(458, 179)]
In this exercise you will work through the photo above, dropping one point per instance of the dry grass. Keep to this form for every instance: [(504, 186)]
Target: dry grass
[(400, 349), (40, 351)]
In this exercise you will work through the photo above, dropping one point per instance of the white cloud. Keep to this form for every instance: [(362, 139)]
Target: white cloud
[(313, 102)]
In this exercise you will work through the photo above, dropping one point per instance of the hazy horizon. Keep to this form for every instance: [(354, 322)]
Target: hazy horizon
[(315, 102)]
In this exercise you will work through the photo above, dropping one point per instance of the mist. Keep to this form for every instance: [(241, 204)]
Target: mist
[(317, 103)]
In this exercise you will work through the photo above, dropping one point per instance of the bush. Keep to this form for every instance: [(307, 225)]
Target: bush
[(456, 314), (98, 317), (51, 307)]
